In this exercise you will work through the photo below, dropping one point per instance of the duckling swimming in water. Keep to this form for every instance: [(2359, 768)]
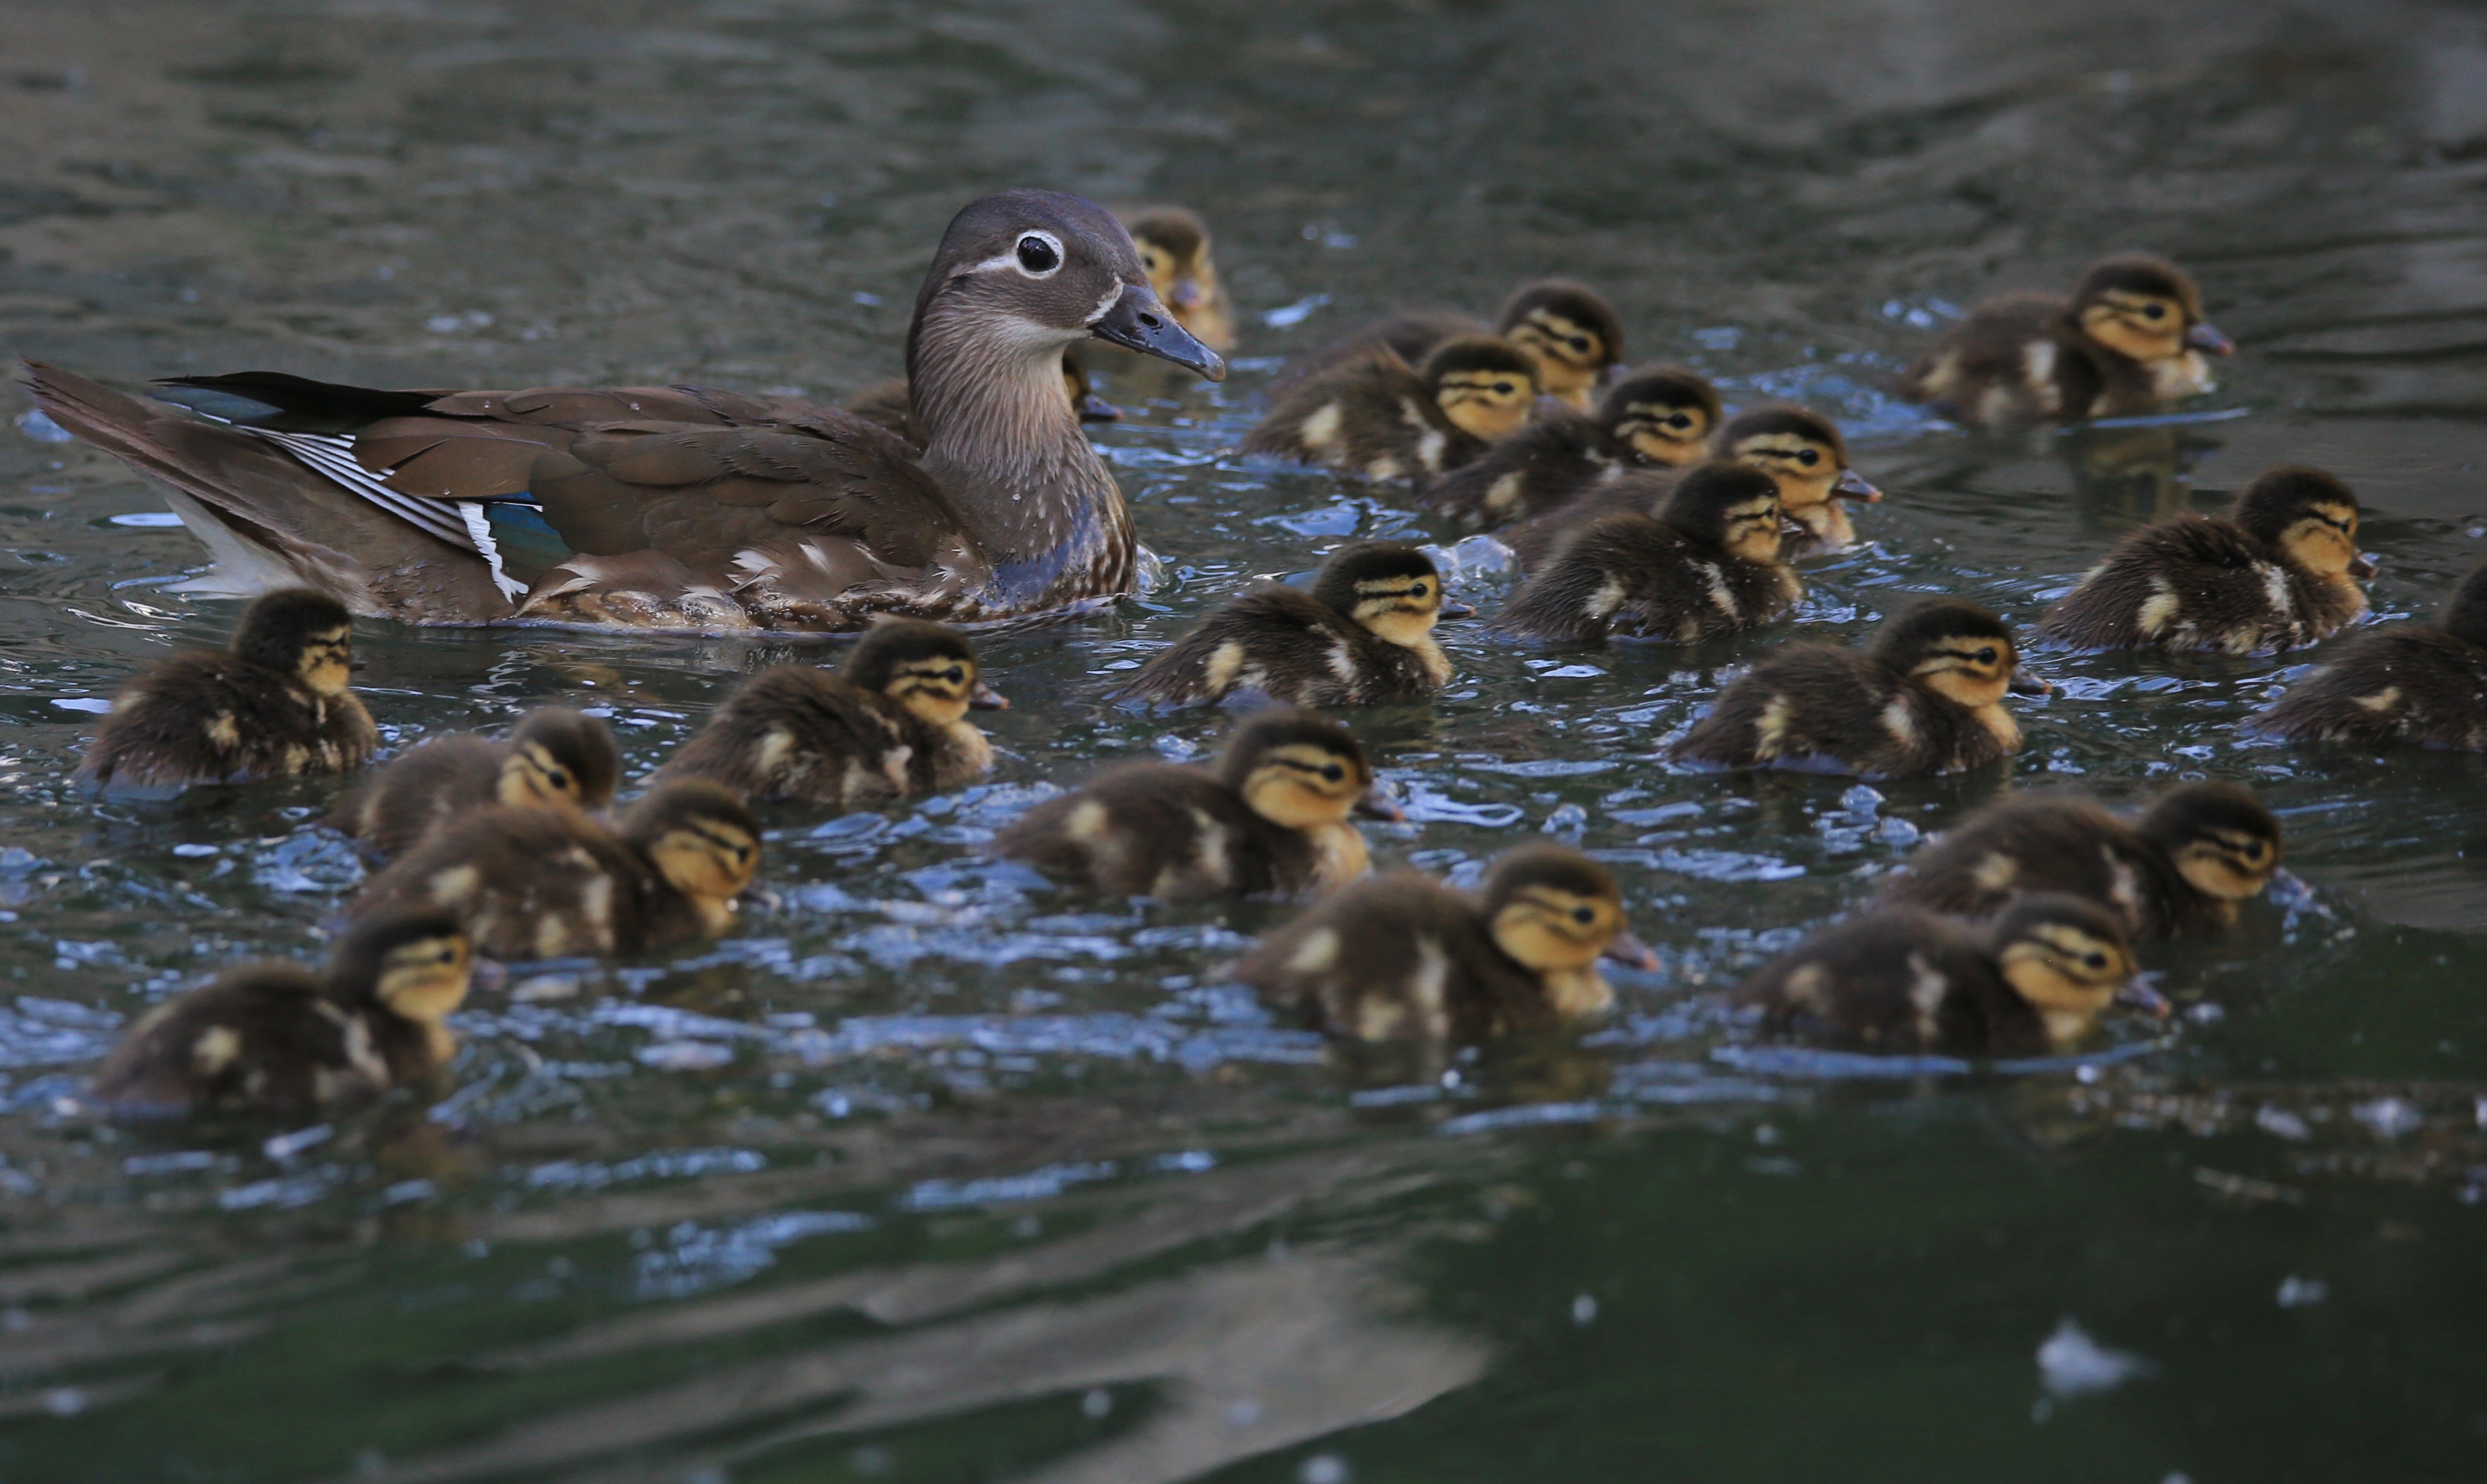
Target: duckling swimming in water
[(2182, 867), (1174, 252), (1924, 695), (893, 724), (1706, 563), (556, 758), (2398, 685), (1568, 332), (276, 705), (2131, 339), (1902, 980), (275, 1037), (2280, 572), (1405, 957), (546, 884), (1662, 417), (1270, 815), (1374, 418), (1363, 635), (885, 403)]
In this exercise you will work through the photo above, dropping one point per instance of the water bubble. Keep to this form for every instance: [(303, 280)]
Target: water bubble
[(1325, 1468), (2070, 1363), (2297, 1292), (1585, 1310), (1098, 1405)]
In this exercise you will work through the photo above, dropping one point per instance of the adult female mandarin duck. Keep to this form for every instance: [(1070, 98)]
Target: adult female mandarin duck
[(681, 507)]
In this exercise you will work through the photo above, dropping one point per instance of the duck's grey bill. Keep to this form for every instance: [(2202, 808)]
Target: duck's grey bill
[(1137, 322)]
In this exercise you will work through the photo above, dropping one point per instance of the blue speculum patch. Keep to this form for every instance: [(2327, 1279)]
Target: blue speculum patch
[(527, 542)]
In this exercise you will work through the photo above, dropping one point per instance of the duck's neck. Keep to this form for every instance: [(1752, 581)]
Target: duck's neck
[(1004, 443)]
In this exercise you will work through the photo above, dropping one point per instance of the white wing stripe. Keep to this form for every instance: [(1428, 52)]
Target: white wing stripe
[(333, 457)]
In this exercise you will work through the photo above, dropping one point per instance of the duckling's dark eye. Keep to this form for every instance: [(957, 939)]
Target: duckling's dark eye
[(2154, 311), (1333, 773), (1037, 255), (1584, 915), (1578, 342), (1502, 388), (2253, 850), (557, 778), (2094, 961), (953, 674), (1417, 591), (1679, 422), (1809, 457), (1986, 656)]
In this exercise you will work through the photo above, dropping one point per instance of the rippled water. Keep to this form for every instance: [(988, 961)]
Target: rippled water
[(941, 1174)]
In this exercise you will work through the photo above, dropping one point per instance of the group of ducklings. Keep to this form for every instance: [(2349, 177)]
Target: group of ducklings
[(1635, 506)]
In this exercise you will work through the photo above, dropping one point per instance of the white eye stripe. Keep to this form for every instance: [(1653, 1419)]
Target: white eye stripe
[(1009, 258), (1105, 303)]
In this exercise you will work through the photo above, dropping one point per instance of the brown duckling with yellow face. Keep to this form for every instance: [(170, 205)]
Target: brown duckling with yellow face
[(555, 759), (1363, 635), (547, 883), (1568, 332), (2280, 572), (887, 402), (1175, 253), (1705, 563), (1374, 418), (1270, 815), (2398, 685), (1901, 980), (275, 705), (1660, 418), (1924, 695), (2131, 339), (1403, 957), (892, 724), (275, 1037), (2182, 867)]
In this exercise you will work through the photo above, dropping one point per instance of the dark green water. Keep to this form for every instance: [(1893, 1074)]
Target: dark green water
[(934, 1176)]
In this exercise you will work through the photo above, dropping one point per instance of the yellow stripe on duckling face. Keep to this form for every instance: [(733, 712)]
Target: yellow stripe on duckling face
[(1305, 786), (1754, 532), (534, 778), (1488, 405), (1568, 355), (1665, 434), (1974, 673), (1400, 609), (1803, 469), (2229, 864), (937, 689), (2324, 540), (326, 666), (2067, 975), (427, 979), (2145, 326)]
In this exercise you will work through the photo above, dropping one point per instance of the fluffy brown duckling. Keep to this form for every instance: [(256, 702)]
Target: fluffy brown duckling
[(276, 705), (1924, 695), (888, 404), (892, 724), (2398, 685), (2280, 572), (1705, 563), (275, 1037), (1374, 418), (1662, 417), (1903, 980), (1569, 333), (1270, 816), (1363, 635), (2182, 867), (1403, 957), (555, 759), (1175, 253), (2131, 339), (547, 883)]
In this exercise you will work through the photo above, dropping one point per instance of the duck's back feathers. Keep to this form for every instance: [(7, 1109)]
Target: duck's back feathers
[(1543, 465), (1814, 706), (536, 883), (210, 717), (265, 1036), (2053, 843), (2197, 583), (1410, 336), (1626, 575), (795, 732), (1155, 830), (1533, 542), (1896, 980), (432, 783), (1369, 415), (1286, 644), (2407, 685), (1397, 958)]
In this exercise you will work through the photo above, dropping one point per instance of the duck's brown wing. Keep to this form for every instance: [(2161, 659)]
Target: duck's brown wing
[(2186, 584)]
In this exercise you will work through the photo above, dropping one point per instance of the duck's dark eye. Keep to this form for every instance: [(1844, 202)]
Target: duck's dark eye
[(2154, 311), (1679, 422), (1417, 591), (1809, 457), (1986, 656), (1584, 915), (557, 778), (1580, 344), (955, 674), (1037, 255), (1333, 773), (1502, 388), (2094, 961)]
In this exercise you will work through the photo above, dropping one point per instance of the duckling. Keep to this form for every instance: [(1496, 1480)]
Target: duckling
[(2131, 339), (1270, 815), (1568, 332), (886, 401), (1363, 635), (1405, 957), (892, 724), (1174, 252), (1374, 418), (546, 884), (556, 758), (1661, 417), (1903, 980), (2400, 685), (1801, 450), (1707, 563), (275, 705), (2280, 570), (2182, 867), (1925, 695), (275, 1037)]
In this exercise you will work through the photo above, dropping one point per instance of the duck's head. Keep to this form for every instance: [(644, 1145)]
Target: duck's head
[(416, 963), (2066, 956), (2309, 517), (1957, 650), (560, 757), (1554, 910), (302, 634), (1568, 332), (2465, 612), (1084, 401), (1387, 586), (1301, 770), (1484, 385), (927, 668), (2146, 308), (1665, 415), (1732, 506), (1174, 252), (2224, 842), (1021, 276), (700, 838), (1799, 449)]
